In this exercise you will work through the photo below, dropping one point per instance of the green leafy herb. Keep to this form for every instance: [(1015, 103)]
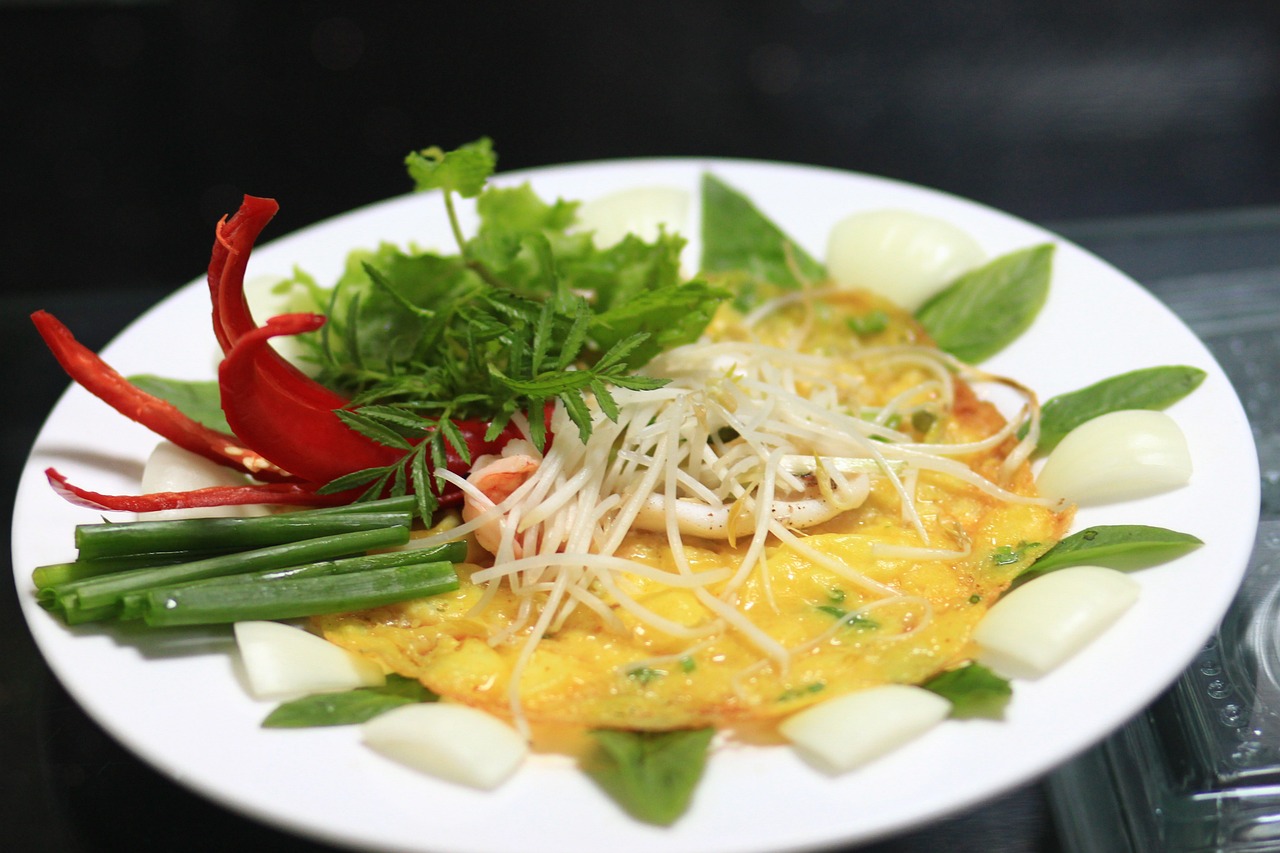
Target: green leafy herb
[(645, 674), (871, 323), (348, 707), (923, 420), (1004, 556), (804, 690), (198, 400), (851, 620), (463, 171), (526, 312), (986, 309), (737, 237), (973, 691), (1118, 546), (1149, 388), (650, 774)]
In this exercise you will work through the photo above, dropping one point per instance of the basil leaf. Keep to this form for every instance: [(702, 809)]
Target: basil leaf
[(1149, 388), (650, 774), (1117, 546), (973, 691), (199, 401), (986, 309), (352, 706), (736, 236)]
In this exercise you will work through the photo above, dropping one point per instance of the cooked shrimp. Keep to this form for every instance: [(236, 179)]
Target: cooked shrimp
[(496, 478)]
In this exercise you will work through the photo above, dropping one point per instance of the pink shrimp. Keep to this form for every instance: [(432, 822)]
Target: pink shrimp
[(496, 478)]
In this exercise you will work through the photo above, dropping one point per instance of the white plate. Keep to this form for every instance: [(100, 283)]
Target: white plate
[(174, 699)]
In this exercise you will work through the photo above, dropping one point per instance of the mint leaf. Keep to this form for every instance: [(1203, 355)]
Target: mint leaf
[(650, 774), (519, 210), (463, 170), (668, 316)]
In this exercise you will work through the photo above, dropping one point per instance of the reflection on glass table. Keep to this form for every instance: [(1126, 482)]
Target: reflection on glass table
[(1200, 769)]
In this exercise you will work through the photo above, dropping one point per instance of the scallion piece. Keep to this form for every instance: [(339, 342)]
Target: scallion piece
[(94, 593), (94, 541), (403, 503), (54, 574), (134, 604), (216, 603)]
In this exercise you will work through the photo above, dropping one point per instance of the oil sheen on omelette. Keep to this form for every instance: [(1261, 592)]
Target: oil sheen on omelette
[(818, 502)]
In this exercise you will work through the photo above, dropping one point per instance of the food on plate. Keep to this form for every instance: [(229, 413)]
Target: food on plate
[(800, 512), (687, 503)]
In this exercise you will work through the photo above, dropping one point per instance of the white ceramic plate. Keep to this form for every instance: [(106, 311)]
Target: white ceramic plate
[(175, 700)]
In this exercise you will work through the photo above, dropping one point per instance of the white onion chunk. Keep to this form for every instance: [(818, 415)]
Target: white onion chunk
[(1044, 622), (901, 255), (170, 468), (452, 742), (642, 211), (847, 731), (281, 661), (1116, 457)]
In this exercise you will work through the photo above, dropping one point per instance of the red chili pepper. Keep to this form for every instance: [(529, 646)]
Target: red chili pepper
[(270, 405), (284, 422), (233, 239), (104, 382), (280, 419), (300, 494), (232, 245)]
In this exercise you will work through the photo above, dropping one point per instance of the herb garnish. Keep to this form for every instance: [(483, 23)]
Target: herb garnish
[(527, 312)]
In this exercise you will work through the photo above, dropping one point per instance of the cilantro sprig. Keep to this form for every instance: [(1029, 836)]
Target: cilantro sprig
[(525, 313)]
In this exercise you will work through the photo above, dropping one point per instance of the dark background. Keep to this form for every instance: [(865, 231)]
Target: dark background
[(129, 128)]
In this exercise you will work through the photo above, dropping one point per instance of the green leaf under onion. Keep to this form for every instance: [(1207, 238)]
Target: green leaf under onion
[(1149, 388), (348, 707), (973, 691)]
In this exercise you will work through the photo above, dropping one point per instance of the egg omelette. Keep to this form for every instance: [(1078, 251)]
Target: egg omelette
[(819, 502)]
